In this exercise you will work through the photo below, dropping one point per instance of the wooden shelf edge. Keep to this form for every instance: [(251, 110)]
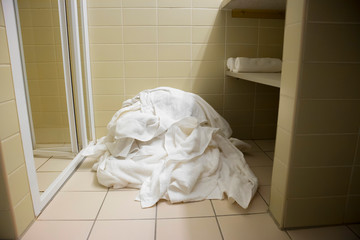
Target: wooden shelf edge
[(270, 79)]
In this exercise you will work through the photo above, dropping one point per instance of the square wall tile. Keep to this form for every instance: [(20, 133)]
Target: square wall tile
[(330, 81), (269, 36), (207, 85), (324, 11), (133, 229), (188, 228), (174, 34), (4, 50), (236, 117), (204, 52), (9, 110), (108, 102), (103, 4), (174, 3), (328, 116), (107, 69), (355, 181), (286, 113), (241, 22), (7, 88), (290, 78), (148, 69), (238, 86), (7, 228), (175, 52), (206, 3), (208, 34), (324, 150), (138, 3), (139, 17), (292, 42), (283, 146), (165, 209), (331, 233), (136, 85), (182, 84), (75, 230), (106, 52), (136, 34), (208, 17), (295, 11), (318, 182), (102, 118), (277, 204), (314, 211), (248, 226), (105, 34), (140, 52), (207, 69), (122, 205), (12, 151), (108, 86), (73, 206), (105, 16), (174, 17), (242, 35), (24, 214), (344, 36), (174, 69), (352, 213), (225, 207), (18, 184), (242, 50), (280, 175)]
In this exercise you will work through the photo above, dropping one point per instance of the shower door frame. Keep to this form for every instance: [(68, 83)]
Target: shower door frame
[(11, 23)]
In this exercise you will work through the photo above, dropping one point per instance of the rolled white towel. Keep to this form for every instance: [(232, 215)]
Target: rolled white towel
[(230, 63), (243, 64)]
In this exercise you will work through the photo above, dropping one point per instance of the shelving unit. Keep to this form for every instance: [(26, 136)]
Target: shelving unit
[(270, 79)]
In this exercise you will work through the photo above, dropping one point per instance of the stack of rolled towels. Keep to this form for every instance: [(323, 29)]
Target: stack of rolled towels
[(243, 64)]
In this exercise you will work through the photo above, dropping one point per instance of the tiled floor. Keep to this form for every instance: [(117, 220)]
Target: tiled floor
[(83, 209), (48, 168)]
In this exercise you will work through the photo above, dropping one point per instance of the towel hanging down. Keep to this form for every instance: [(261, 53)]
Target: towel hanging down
[(172, 145)]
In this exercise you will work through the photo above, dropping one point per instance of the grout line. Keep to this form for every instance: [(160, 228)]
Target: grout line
[(156, 209), (217, 221), (97, 215), (356, 234)]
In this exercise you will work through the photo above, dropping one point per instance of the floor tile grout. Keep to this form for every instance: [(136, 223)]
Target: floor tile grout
[(156, 209), (358, 236), (217, 221), (97, 215)]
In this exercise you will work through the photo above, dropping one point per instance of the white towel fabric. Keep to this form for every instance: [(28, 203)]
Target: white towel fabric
[(243, 64), (172, 145), (230, 63)]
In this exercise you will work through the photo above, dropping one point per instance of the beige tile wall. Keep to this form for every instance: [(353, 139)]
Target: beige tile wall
[(137, 45), (16, 210), (43, 59), (319, 116)]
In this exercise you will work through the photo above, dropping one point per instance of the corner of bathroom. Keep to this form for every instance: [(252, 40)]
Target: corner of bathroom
[(66, 67)]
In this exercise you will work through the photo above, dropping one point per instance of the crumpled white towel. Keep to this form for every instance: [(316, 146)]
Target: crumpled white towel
[(230, 63), (172, 145), (269, 65)]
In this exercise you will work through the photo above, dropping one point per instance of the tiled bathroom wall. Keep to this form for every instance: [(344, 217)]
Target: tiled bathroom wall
[(143, 44), (40, 31), (316, 166), (16, 210)]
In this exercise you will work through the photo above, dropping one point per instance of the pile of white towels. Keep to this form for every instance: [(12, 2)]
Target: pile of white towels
[(243, 64), (172, 145)]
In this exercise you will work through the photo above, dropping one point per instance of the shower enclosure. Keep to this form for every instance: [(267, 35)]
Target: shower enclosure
[(51, 71)]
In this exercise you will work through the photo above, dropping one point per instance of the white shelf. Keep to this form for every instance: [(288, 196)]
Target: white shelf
[(254, 4), (270, 79)]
